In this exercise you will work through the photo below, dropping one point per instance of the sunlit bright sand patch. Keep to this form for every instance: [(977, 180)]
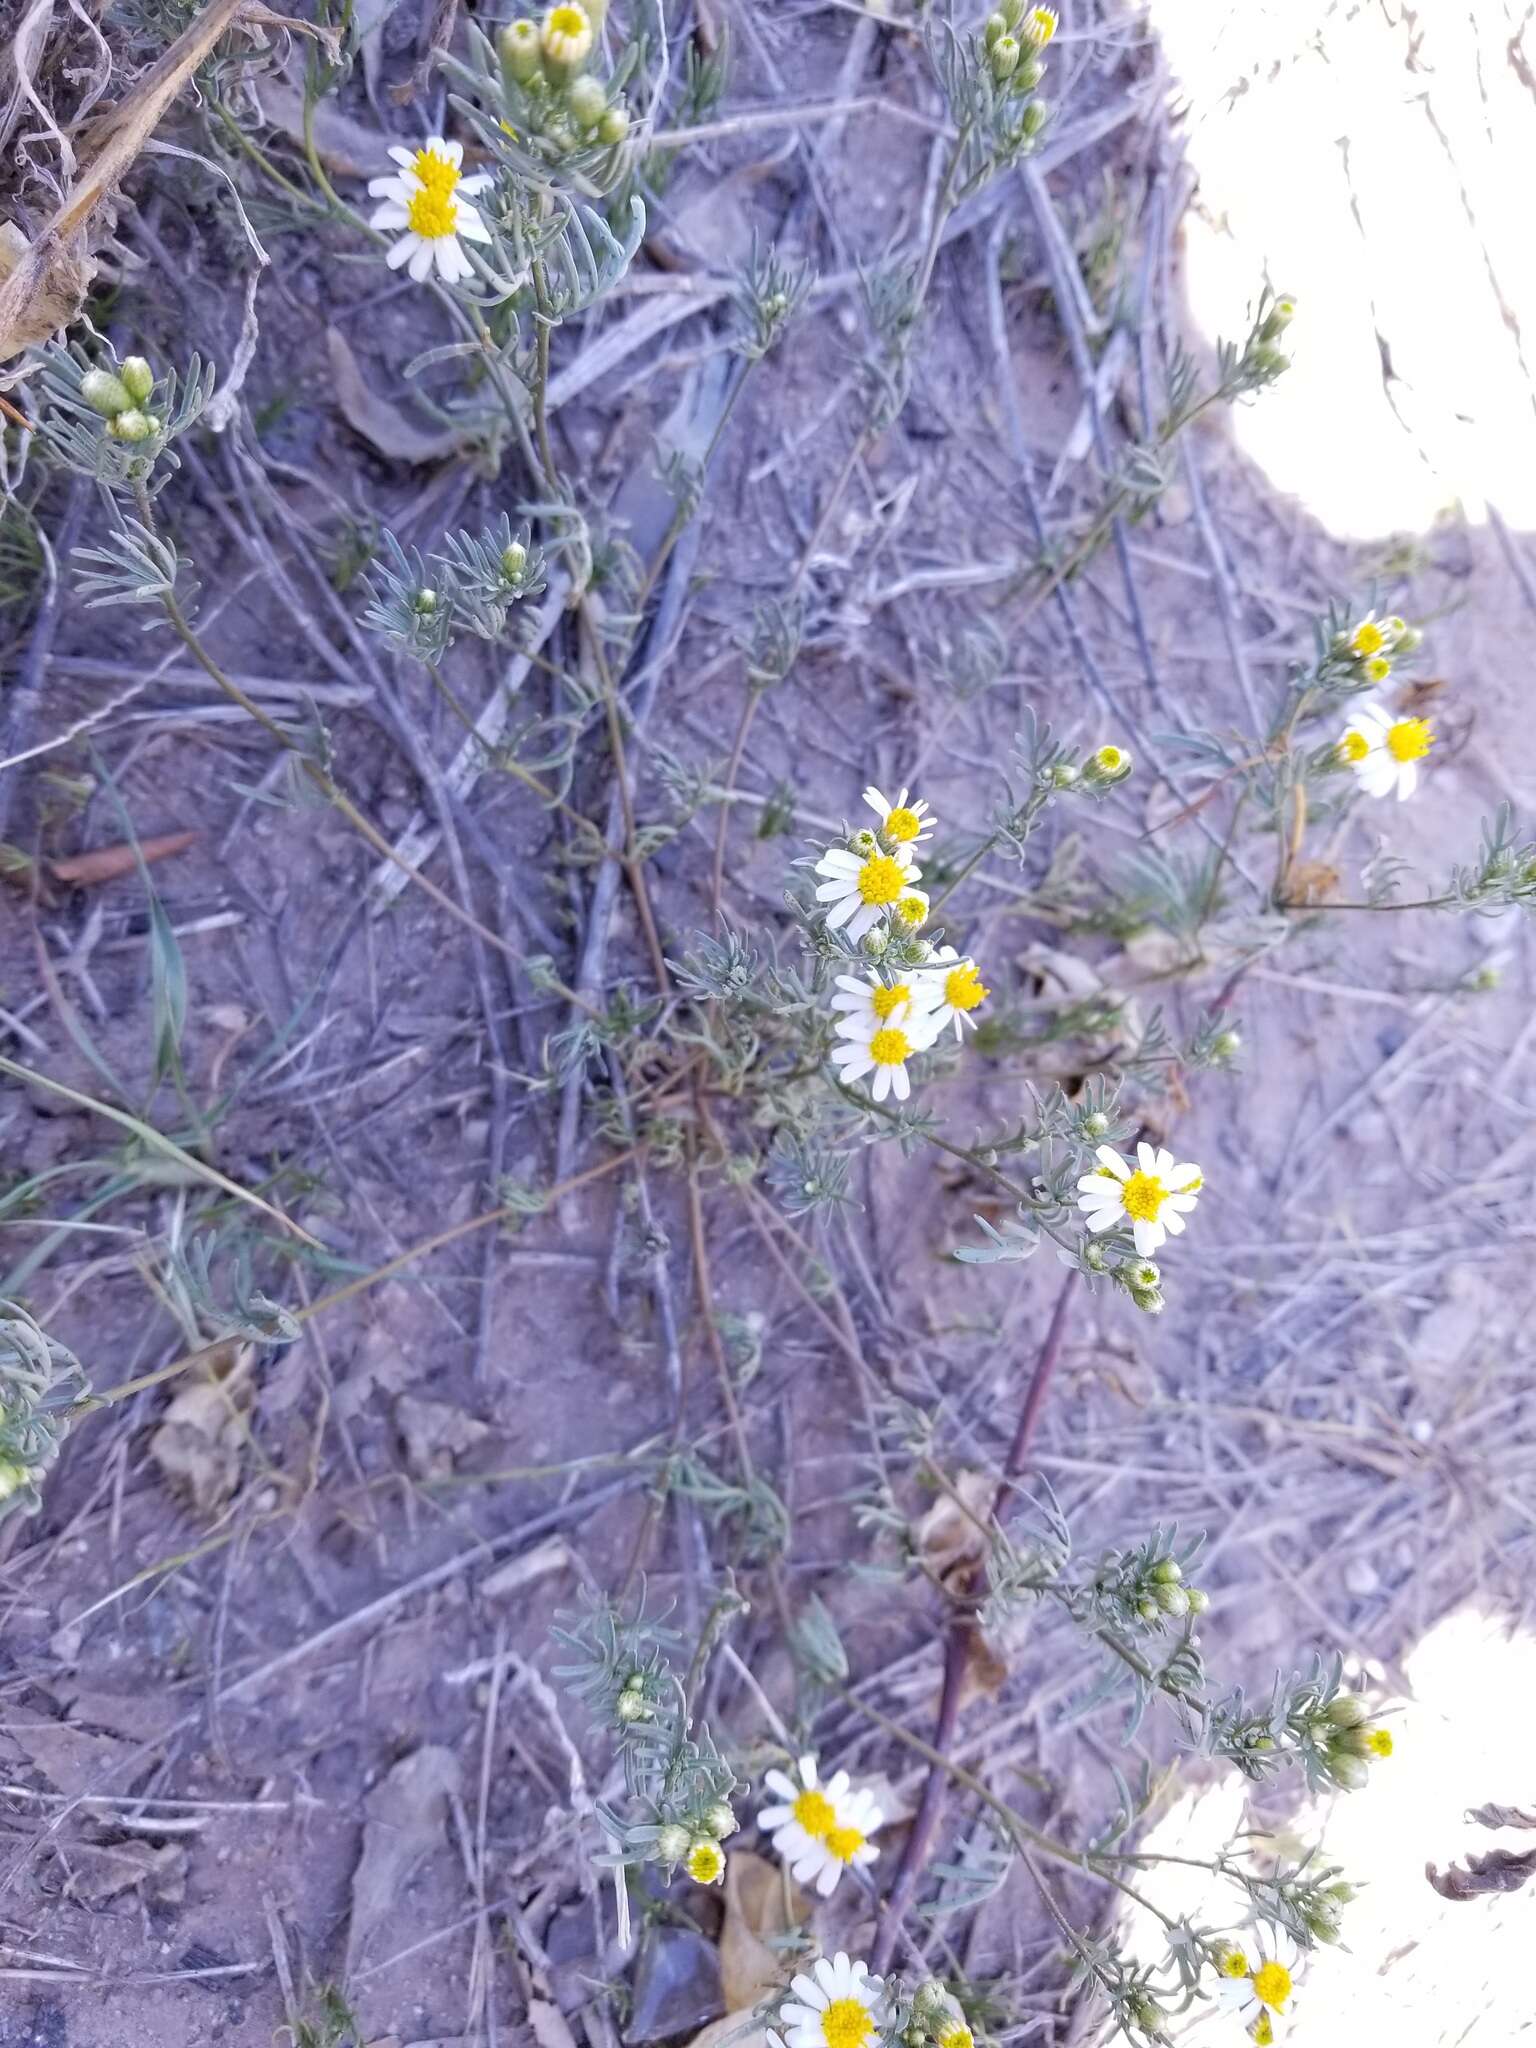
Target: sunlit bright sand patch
[(1376, 162), (1421, 1971)]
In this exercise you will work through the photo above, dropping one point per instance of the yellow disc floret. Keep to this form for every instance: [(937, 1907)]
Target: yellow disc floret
[(1272, 1985), (1262, 2032), (1109, 760), (1354, 746), (816, 1814), (1039, 26), (1234, 1964), (567, 34), (432, 214), (1367, 639), (881, 879), (902, 824), (1143, 1195), (1379, 1742), (435, 173), (885, 1002), (913, 909), (844, 1843), (706, 1863), (846, 2023), (888, 1048), (1410, 739), (956, 2035), (962, 987)]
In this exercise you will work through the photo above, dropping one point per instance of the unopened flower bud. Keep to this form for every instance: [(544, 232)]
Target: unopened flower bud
[(1323, 1919), (1166, 1572), (1409, 639), (1173, 1600), (519, 46), (1148, 1610), (586, 101), (919, 951), (514, 560), (997, 25), (105, 393), (1198, 1601), (720, 1821), (1279, 317), (1145, 2013), (566, 38), (874, 942), (1004, 57), (1151, 1301), (632, 1705), (1347, 1710), (864, 842), (1028, 75), (1036, 114), (1108, 764), (131, 425), (1038, 26), (1063, 775), (424, 603), (613, 127), (1270, 361), (1227, 1044), (1344, 1892), (930, 2001), (1093, 1256), (1145, 1273), (1352, 1773), (672, 1843), (138, 378), (1095, 1124), (13, 1477)]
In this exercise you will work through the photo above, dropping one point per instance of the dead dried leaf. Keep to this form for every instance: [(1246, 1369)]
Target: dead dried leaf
[(199, 1444), (985, 1670), (384, 426), (756, 1915), (1501, 1870), (109, 863), (552, 1555), (99, 1872), (47, 279), (732, 2030), (406, 1816), (434, 1434), (1503, 1816), (952, 1536), (1311, 881), (347, 148), (72, 1760), (550, 2027)]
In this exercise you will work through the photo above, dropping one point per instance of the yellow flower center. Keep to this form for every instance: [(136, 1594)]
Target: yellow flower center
[(1410, 739), (1378, 668), (846, 2024), (1108, 759), (957, 2035), (1354, 746), (1234, 1964), (1367, 639), (1042, 26), (881, 879), (1262, 2032), (962, 987), (912, 910), (1379, 1742), (432, 215), (1143, 1196), (706, 1861), (902, 824), (1272, 1985), (888, 1048), (816, 1814), (435, 173), (844, 1843), (567, 32), (885, 1002)]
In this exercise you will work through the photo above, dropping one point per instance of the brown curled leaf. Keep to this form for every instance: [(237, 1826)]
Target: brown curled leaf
[(1502, 1816), (110, 863), (1501, 1870)]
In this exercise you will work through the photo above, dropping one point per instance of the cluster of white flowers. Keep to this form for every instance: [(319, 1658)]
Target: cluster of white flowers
[(870, 892), (820, 1829), (1383, 748)]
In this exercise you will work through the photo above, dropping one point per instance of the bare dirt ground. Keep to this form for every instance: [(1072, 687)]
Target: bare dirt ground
[(275, 1660)]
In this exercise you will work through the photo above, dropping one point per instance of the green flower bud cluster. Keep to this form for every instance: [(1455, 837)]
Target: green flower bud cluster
[(1161, 1594), (120, 397), (543, 65), (1350, 1740)]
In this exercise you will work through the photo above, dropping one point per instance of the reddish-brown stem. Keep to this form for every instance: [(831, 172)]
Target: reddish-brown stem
[(957, 1652)]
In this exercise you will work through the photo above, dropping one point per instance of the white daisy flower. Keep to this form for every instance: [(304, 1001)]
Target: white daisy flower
[(427, 200), (953, 989), (1258, 1990), (832, 2007), (1384, 751), (866, 1005), (1372, 636), (1153, 1196), (822, 1859), (903, 824), (912, 909), (884, 1052), (806, 1809), (860, 889)]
